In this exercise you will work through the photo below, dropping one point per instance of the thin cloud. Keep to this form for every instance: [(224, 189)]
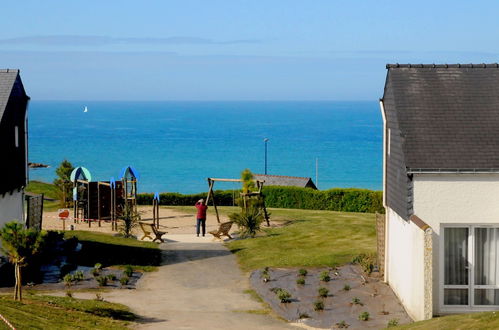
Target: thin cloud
[(81, 40)]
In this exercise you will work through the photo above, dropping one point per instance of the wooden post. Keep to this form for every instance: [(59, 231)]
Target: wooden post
[(98, 203)]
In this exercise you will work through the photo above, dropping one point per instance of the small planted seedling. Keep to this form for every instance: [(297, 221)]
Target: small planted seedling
[(68, 280), (111, 277), (302, 272), (347, 287), (356, 301), (98, 297), (128, 271), (124, 280), (284, 296), (102, 280), (323, 292), (78, 276), (342, 325), (324, 276), (300, 281), (364, 316), (318, 305), (98, 266), (392, 323)]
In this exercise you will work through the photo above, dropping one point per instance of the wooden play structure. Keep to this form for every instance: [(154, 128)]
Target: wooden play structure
[(103, 200), (259, 186)]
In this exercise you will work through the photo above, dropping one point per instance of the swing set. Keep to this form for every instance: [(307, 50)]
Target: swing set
[(258, 193)]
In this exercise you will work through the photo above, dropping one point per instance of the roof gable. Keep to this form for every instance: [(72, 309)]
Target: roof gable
[(8, 79), (447, 115), (282, 180)]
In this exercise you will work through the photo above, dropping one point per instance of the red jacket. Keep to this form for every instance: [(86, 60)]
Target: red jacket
[(201, 211)]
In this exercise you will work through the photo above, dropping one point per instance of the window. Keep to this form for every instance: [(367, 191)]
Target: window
[(471, 266), (16, 136)]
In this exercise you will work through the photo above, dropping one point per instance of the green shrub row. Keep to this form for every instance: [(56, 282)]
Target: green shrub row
[(337, 199)]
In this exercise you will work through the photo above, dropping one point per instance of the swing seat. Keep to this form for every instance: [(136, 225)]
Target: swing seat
[(223, 230)]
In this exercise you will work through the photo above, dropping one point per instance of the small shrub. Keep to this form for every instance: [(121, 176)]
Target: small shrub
[(284, 296), (367, 261), (302, 272), (124, 280), (102, 280), (304, 316), (300, 281), (318, 305), (346, 287), (128, 271), (324, 276), (393, 323), (356, 301), (78, 276), (364, 316), (98, 297), (68, 280), (266, 278), (342, 325), (95, 272), (98, 266), (111, 277), (275, 290), (323, 292)]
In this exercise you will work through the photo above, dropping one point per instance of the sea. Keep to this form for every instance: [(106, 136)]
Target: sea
[(176, 146)]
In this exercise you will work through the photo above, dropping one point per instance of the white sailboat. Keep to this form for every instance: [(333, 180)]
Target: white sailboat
[(86, 109)]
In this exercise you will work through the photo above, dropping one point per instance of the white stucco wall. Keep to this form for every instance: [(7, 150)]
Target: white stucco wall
[(454, 199), (11, 207), (405, 263)]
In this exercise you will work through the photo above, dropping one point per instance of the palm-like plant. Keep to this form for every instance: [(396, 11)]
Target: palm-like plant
[(130, 220), (18, 244), (248, 220)]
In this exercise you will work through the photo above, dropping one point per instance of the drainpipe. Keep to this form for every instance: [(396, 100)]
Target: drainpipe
[(385, 131)]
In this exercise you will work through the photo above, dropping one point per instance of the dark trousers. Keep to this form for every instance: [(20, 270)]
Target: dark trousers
[(201, 223)]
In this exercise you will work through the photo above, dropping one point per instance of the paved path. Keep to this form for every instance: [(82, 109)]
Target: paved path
[(200, 286)]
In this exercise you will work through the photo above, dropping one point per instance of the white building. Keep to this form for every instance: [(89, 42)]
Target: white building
[(441, 187), (13, 146)]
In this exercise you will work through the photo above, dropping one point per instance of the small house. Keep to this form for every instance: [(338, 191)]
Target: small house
[(441, 187), (13, 146), (282, 180)]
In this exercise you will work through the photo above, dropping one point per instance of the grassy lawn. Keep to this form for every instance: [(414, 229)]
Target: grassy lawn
[(483, 321), (45, 312), (115, 251), (310, 238), (49, 191)]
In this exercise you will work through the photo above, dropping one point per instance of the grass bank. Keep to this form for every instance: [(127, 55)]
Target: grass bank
[(46, 312), (49, 191), (482, 321), (110, 250), (308, 238)]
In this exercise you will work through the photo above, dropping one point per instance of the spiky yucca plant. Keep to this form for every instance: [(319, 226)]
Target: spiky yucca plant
[(248, 220), (130, 220)]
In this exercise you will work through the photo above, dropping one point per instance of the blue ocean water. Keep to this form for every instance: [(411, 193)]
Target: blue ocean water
[(176, 145)]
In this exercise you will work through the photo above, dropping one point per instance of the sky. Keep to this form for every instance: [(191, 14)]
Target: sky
[(235, 49)]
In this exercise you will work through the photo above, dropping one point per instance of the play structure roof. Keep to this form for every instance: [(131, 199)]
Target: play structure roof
[(130, 171), (81, 173)]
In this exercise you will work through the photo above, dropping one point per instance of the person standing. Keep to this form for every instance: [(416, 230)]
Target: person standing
[(201, 217)]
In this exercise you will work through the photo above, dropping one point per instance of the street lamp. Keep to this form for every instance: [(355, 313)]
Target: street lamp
[(265, 140)]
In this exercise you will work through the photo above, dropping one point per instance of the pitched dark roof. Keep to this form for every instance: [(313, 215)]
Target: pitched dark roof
[(7, 79), (282, 180), (447, 115)]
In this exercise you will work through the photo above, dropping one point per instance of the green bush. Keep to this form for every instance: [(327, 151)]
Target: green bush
[(128, 271), (336, 199), (302, 272), (124, 280), (102, 280), (324, 276), (392, 323), (323, 292), (300, 281), (111, 277), (318, 305), (364, 316), (284, 296)]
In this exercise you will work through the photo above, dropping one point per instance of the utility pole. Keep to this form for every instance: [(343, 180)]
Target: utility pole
[(265, 140)]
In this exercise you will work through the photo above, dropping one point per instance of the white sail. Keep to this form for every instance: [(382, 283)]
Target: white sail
[(86, 109)]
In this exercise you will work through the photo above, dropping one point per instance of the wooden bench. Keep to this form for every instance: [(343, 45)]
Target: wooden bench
[(148, 229), (223, 230)]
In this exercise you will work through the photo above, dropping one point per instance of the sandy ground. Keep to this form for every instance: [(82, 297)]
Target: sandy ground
[(172, 221)]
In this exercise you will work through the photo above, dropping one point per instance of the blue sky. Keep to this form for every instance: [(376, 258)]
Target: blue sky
[(235, 49)]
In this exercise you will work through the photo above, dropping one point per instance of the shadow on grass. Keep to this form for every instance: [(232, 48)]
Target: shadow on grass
[(112, 313), (109, 254)]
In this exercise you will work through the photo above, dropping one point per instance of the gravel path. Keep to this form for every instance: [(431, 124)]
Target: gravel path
[(200, 286)]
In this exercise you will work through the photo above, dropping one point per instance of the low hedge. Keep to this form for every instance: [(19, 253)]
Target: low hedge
[(336, 199)]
